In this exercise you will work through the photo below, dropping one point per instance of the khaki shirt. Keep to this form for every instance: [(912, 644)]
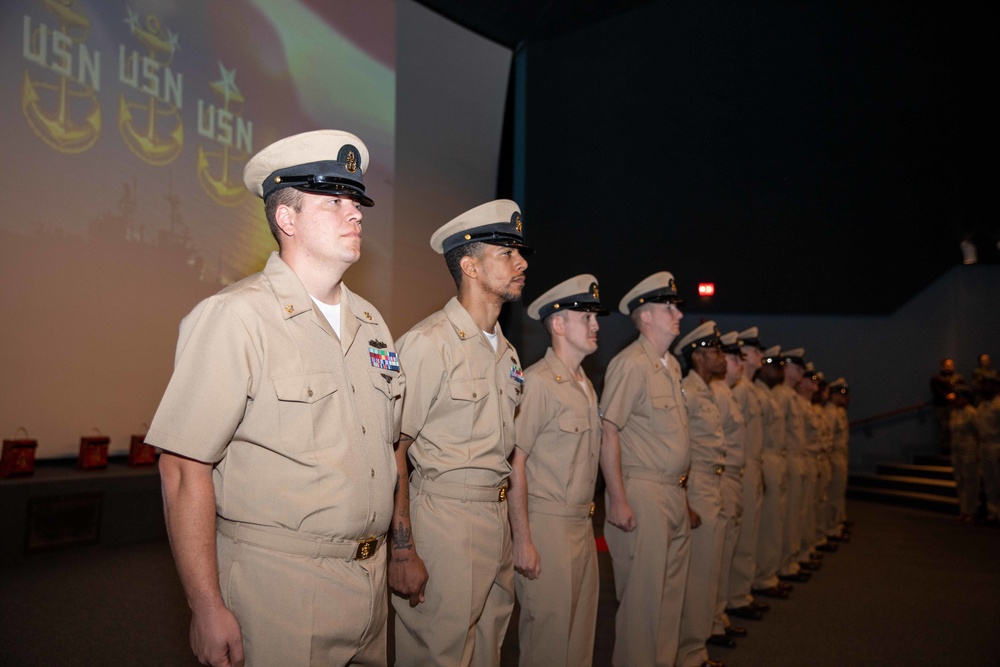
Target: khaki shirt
[(815, 424), (773, 418), (459, 407), (733, 424), (988, 421), (704, 422), (643, 398), (790, 406), (749, 402), (841, 428), (558, 425), (299, 424)]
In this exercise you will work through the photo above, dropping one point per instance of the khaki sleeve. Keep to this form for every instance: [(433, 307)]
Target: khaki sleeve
[(622, 386), (215, 374), (532, 413), (425, 371)]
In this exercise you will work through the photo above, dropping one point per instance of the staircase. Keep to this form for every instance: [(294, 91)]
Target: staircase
[(927, 483)]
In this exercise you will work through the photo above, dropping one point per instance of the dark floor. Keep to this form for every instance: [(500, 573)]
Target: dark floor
[(911, 588)]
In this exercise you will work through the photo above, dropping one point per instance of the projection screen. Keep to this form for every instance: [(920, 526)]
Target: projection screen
[(126, 128)]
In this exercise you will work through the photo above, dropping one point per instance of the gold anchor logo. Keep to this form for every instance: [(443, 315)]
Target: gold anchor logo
[(220, 188), (517, 223), (142, 138), (50, 107), (593, 291), (352, 162)]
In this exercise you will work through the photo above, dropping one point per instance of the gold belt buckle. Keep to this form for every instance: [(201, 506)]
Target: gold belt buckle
[(683, 483), (591, 513), (503, 494), (720, 469), (366, 548)]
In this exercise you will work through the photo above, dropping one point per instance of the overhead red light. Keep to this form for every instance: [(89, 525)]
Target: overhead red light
[(706, 289)]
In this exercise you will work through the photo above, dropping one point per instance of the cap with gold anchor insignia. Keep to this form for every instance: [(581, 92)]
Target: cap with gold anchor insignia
[(732, 343), (751, 338), (578, 293), (497, 223), (795, 356), (705, 334), (320, 162), (657, 288)]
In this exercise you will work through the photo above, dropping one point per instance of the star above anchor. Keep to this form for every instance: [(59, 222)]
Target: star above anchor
[(227, 84)]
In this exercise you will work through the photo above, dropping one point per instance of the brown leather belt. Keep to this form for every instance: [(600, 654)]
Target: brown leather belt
[(300, 544)]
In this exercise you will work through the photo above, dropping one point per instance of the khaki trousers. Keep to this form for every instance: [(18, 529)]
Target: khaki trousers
[(299, 610), (808, 514), (824, 473), (794, 515), (650, 566), (705, 498), (732, 513), (838, 492), (742, 572), (558, 618), (772, 520), (469, 597)]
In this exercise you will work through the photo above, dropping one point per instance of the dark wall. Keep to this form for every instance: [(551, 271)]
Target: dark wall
[(805, 157)]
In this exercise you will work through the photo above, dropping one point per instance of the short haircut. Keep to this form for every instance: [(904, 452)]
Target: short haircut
[(285, 196), (636, 313), (548, 320), (453, 258)]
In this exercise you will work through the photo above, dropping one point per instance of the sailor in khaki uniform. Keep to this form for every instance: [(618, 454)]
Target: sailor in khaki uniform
[(825, 466), (645, 459), (550, 499), (739, 600), (703, 356), (814, 424), (775, 471), (277, 429), (837, 412), (790, 407), (451, 559), (734, 435)]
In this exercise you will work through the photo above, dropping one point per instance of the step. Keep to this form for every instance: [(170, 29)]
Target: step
[(937, 487), (932, 460), (924, 501), (912, 470)]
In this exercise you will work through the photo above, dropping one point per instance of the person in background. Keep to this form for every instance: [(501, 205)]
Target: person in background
[(734, 434), (701, 350), (988, 427), (983, 367), (739, 598), (790, 406), (775, 467), (965, 452), (942, 394), (840, 461), (645, 456), (552, 484)]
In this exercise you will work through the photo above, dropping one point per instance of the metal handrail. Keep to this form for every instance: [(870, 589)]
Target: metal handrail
[(866, 423)]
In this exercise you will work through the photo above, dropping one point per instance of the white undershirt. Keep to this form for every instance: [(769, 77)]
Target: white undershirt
[(493, 338), (331, 313)]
